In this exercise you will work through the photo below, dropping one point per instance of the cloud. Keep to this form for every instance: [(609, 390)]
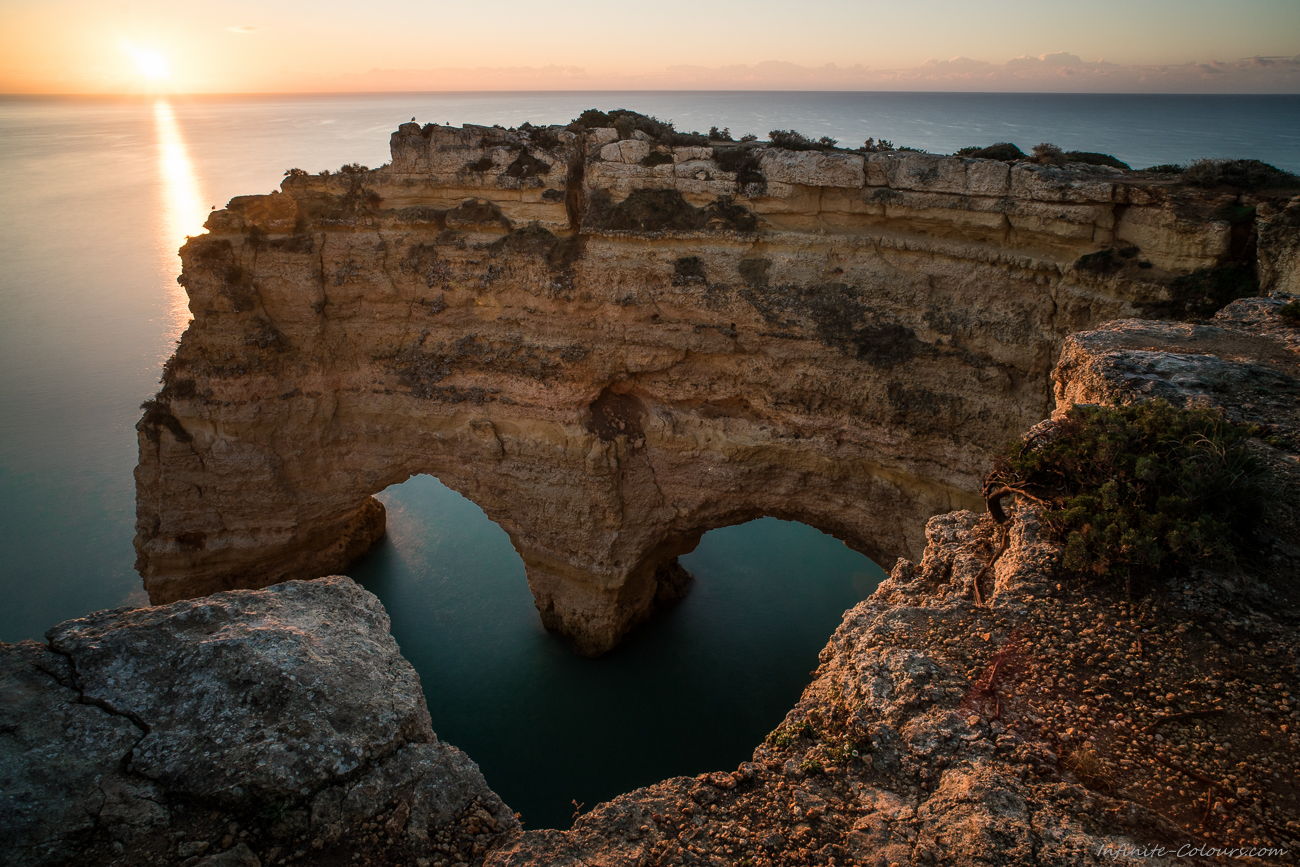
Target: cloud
[(241, 28), (1053, 72), (1061, 59), (958, 64)]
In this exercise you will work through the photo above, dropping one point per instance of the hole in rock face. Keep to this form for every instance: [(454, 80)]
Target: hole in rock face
[(694, 689), (616, 414)]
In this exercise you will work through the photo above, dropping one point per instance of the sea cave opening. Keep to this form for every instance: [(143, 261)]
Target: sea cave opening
[(694, 689)]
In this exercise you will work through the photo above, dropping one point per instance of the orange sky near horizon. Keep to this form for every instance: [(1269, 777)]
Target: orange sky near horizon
[(144, 46)]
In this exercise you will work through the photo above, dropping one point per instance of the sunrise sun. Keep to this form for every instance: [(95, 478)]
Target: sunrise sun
[(150, 64)]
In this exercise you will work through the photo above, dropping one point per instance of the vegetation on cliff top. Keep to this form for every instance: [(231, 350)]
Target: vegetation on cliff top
[(1137, 493), (1246, 175), (664, 210), (626, 122)]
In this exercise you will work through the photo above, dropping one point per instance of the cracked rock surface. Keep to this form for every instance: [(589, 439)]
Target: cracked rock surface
[(229, 731)]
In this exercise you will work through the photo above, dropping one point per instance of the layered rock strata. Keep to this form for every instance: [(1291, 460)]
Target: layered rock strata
[(232, 731), (1049, 723), (613, 346)]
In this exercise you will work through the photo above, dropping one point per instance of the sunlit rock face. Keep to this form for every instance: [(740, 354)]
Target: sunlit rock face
[(614, 346)]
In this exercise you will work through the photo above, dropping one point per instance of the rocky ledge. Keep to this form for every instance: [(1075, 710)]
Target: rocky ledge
[(248, 728), (1032, 720), (979, 708)]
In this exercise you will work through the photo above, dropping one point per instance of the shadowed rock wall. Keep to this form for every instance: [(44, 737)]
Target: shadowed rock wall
[(615, 346)]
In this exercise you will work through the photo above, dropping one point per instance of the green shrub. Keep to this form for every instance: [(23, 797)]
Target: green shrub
[(660, 210), (1107, 261), (1048, 154), (872, 146), (812, 766), (627, 122), (1141, 492), (743, 161), (1004, 151), (793, 140), (593, 118), (1101, 262), (1245, 175), (1290, 313), (526, 165), (1166, 169), (723, 134), (1093, 159)]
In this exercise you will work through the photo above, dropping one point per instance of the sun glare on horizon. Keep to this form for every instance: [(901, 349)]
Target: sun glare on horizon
[(150, 64)]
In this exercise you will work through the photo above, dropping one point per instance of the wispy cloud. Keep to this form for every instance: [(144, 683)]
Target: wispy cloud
[(1052, 72)]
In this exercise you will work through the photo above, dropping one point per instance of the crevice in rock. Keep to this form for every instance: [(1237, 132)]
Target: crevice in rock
[(78, 687), (574, 198)]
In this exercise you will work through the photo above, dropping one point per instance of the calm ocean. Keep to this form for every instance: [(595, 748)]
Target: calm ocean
[(99, 193)]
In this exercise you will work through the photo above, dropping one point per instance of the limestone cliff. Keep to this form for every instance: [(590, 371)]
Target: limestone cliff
[(613, 346), (1038, 720)]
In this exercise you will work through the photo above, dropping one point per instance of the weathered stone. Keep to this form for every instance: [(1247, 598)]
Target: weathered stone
[(278, 700), (971, 733), (813, 168), (60, 762), (238, 856), (1279, 247)]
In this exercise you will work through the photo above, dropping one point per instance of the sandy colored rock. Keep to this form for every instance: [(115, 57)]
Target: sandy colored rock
[(611, 359), (1056, 723)]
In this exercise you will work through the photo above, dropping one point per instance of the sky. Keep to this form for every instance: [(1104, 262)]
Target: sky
[(238, 46)]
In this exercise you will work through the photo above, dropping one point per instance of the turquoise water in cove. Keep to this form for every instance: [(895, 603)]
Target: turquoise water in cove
[(98, 194)]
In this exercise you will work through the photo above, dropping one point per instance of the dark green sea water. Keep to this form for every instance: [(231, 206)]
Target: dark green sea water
[(98, 194), (695, 689)]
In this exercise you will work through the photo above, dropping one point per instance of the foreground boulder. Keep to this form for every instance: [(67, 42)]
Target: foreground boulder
[(231, 731)]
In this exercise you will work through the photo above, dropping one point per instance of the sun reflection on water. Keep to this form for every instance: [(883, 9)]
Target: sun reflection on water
[(181, 212)]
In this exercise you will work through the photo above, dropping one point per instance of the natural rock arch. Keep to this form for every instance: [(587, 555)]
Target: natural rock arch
[(610, 358)]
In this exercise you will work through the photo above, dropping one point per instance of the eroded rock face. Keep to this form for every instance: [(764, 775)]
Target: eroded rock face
[(1038, 720), (286, 714), (615, 346)]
